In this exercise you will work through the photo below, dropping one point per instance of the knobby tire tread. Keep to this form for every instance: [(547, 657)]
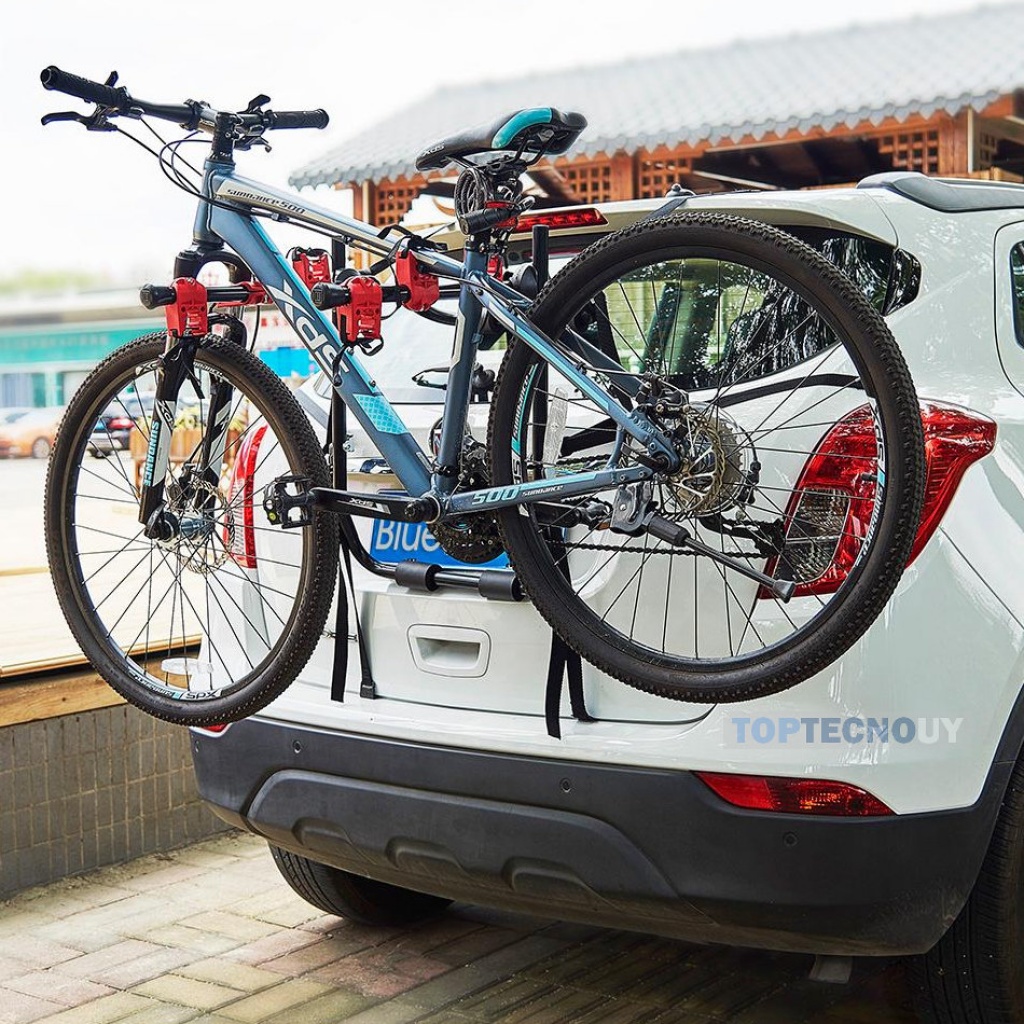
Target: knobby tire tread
[(780, 248)]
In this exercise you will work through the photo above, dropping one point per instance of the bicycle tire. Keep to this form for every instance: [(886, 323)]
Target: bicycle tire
[(279, 627), (865, 342)]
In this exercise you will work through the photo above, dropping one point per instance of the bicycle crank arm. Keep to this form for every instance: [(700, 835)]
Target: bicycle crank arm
[(375, 505), (289, 502), (680, 536)]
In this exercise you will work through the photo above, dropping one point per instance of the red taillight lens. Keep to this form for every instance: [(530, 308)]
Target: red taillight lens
[(794, 796), (830, 510), (120, 423), (240, 539), (584, 217)]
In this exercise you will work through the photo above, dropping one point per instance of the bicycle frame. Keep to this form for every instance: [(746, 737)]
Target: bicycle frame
[(217, 223)]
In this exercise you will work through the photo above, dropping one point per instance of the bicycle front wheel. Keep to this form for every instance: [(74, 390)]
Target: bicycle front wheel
[(800, 440), (210, 622)]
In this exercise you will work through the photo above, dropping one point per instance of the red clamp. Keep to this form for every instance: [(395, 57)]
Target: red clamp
[(187, 314), (359, 318), (423, 288), (312, 265)]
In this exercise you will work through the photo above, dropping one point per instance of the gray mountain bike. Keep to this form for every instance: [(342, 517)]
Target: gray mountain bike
[(704, 457)]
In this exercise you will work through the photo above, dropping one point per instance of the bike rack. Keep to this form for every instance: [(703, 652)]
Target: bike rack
[(493, 584)]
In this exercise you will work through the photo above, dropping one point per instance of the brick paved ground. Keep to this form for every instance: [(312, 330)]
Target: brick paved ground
[(212, 934)]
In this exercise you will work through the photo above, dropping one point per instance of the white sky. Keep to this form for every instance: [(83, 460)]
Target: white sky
[(74, 199)]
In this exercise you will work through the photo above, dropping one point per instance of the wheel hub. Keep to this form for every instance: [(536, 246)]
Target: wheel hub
[(717, 457)]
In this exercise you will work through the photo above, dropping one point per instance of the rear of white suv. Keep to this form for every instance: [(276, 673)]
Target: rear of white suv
[(853, 814)]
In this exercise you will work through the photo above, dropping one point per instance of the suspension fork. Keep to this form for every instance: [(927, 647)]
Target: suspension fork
[(177, 365)]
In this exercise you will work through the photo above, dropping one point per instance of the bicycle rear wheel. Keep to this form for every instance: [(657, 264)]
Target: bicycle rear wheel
[(801, 442), (210, 624)]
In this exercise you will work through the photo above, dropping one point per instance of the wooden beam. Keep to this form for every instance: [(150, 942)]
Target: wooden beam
[(623, 184)]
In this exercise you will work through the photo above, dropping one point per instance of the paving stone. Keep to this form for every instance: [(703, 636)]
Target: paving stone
[(161, 1013), (200, 995), (93, 964), (58, 988), (272, 946), (145, 968), (42, 953), (382, 971), (192, 939), (103, 1011), (234, 975), (270, 1002), (11, 968), (334, 1006), (19, 1008), (315, 956), (234, 926)]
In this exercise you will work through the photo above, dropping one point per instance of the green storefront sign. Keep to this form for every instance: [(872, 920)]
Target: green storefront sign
[(75, 344)]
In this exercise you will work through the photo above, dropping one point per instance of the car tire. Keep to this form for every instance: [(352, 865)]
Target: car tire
[(973, 975), (351, 896), (41, 448)]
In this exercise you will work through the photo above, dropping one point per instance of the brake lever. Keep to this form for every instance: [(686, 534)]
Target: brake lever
[(95, 122)]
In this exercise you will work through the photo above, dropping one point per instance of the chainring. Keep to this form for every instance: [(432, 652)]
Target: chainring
[(473, 538)]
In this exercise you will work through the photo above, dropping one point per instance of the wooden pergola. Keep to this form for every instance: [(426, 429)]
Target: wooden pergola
[(985, 143)]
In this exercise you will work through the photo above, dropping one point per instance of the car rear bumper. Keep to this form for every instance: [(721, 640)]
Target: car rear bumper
[(642, 849)]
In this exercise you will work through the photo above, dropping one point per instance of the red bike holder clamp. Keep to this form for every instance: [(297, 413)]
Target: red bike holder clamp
[(359, 318), (187, 314), (312, 265), (423, 288)]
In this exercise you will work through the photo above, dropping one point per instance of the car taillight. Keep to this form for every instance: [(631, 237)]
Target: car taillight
[(793, 796), (240, 538), (584, 217), (120, 423), (830, 510)]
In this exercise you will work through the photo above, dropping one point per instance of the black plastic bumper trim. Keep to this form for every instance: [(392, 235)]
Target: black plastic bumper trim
[(642, 849)]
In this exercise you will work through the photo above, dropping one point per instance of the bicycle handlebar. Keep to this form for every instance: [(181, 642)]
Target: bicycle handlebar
[(189, 115)]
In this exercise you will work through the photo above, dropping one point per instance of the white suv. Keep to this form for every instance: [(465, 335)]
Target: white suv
[(876, 809)]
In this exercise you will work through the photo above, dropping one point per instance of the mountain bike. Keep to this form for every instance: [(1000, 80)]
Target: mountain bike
[(704, 457)]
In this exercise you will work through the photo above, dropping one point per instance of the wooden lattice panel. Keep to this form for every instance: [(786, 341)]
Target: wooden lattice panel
[(912, 151), (392, 200), (988, 144), (657, 175), (591, 182)]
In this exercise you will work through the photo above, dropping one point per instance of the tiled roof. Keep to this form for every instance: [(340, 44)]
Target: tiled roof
[(824, 79)]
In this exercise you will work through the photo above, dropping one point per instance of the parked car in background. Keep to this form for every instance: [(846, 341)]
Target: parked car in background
[(113, 429), (876, 809), (30, 433), (11, 413)]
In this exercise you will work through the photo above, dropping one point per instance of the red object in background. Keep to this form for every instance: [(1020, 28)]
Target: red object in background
[(241, 540), (495, 267), (584, 217)]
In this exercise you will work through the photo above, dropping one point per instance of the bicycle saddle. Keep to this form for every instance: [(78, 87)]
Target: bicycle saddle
[(537, 130)]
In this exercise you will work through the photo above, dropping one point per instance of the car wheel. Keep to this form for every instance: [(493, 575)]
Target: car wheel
[(973, 975), (41, 448), (359, 899)]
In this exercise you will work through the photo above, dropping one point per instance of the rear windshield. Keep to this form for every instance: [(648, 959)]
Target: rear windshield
[(690, 318)]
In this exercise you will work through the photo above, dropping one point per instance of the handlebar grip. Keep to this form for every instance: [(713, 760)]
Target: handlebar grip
[(297, 118), (53, 78)]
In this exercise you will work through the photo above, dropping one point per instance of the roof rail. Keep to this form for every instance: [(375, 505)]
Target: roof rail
[(949, 195)]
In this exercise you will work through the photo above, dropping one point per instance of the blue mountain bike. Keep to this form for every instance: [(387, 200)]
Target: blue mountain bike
[(704, 457)]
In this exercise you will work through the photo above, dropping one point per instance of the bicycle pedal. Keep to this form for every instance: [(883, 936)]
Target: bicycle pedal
[(287, 509)]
